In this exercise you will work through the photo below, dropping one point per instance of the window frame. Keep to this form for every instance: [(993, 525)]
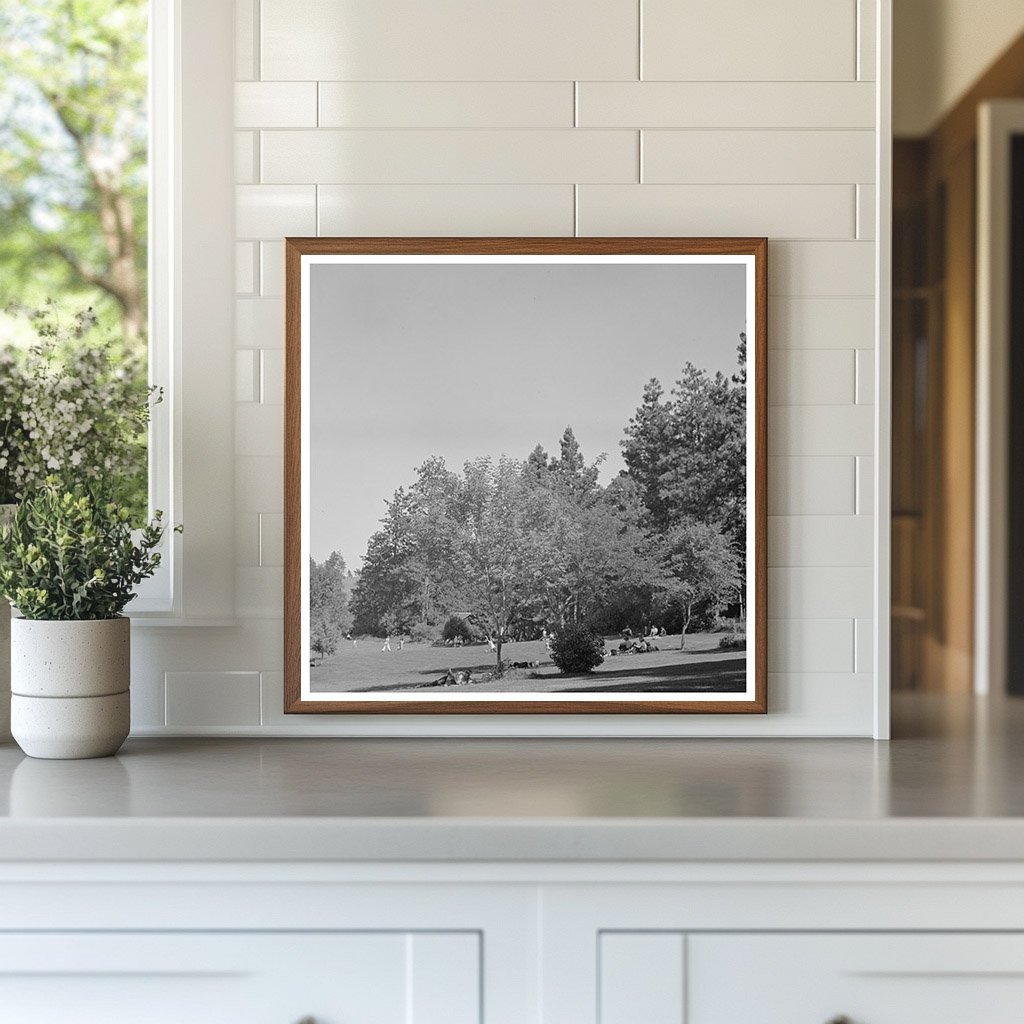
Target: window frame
[(191, 331)]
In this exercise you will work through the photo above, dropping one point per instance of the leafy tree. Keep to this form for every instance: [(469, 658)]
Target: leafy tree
[(537, 466), (387, 584), (500, 525), (698, 565), (570, 473), (329, 616), (688, 451), (73, 205)]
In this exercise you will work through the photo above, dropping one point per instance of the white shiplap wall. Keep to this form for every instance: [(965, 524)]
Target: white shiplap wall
[(555, 117)]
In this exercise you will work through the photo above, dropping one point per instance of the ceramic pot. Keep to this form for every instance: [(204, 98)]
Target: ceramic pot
[(6, 516), (69, 686)]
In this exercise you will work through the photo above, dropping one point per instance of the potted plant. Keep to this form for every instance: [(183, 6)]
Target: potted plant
[(69, 563), (68, 405)]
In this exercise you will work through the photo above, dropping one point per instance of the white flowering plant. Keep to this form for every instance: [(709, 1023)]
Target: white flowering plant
[(71, 554), (73, 407)]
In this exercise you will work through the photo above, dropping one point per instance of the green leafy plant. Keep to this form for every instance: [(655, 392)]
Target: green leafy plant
[(577, 649), (73, 406), (71, 554)]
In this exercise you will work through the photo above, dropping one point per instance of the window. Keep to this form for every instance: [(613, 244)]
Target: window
[(145, 82)]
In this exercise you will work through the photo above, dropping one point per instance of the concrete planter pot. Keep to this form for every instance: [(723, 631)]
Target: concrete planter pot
[(69, 683), (6, 516)]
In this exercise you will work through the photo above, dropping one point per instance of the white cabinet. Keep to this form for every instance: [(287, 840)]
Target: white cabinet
[(511, 943), (672, 978), (241, 978), (868, 979)]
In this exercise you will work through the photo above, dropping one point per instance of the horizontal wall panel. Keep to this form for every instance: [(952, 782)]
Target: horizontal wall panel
[(837, 703), (271, 269), (811, 376), (864, 645), (775, 211), (206, 649), (446, 105), (802, 540), (259, 429), (865, 485), (259, 484), (449, 40), (822, 269), (865, 376), (245, 158), (821, 430), (260, 592), (866, 212), (271, 538), (811, 645), (275, 104), (740, 41), (247, 538), (446, 209), (642, 977), (825, 592), (246, 48), (272, 376), (272, 211), (846, 323), (867, 26), (247, 361), (773, 157), (444, 157), (726, 105), (245, 268), (259, 323), (811, 486), (203, 699)]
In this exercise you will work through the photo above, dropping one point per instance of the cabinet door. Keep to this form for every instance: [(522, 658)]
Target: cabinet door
[(862, 978), (241, 978)]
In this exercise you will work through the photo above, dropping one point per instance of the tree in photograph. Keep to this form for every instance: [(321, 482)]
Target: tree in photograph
[(329, 616), (698, 565), (387, 584), (688, 451), (500, 528), (648, 450), (595, 551), (569, 473), (73, 191)]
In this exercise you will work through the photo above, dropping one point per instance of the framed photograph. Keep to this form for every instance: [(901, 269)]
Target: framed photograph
[(525, 475)]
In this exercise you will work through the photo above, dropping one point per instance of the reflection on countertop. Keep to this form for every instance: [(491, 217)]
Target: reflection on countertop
[(951, 759)]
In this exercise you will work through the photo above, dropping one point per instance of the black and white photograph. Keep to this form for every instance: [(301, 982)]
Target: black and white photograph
[(527, 478)]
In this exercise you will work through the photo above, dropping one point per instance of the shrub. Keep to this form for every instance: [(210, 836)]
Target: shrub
[(577, 649), (67, 554), (456, 626), (733, 642), (423, 632)]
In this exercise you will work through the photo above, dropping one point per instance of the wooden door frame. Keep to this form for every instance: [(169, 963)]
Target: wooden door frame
[(998, 121)]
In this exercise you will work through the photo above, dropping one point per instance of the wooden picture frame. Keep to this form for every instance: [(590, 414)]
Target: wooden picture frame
[(394, 343)]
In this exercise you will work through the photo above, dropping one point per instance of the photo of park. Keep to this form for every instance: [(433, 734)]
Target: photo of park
[(527, 478)]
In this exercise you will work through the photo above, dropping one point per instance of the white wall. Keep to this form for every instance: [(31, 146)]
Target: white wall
[(940, 48), (398, 117)]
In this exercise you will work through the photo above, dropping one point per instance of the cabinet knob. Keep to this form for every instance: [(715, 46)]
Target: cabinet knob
[(306, 1020), (841, 1019)]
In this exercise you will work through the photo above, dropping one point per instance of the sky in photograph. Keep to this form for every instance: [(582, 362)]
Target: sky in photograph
[(414, 360)]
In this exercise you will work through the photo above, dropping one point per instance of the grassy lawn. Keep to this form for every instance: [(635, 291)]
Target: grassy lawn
[(702, 667)]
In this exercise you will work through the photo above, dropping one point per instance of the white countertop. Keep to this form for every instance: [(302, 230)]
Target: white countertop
[(949, 787)]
